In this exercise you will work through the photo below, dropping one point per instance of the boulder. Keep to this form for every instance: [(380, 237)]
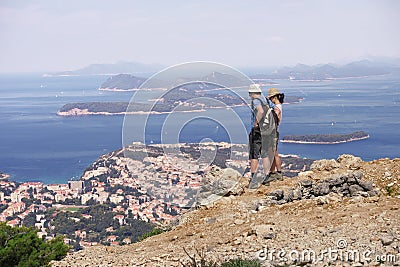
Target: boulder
[(355, 190), (288, 195), (321, 189), (324, 165), (349, 162), (366, 185), (306, 183), (218, 183), (264, 230), (277, 194), (336, 180)]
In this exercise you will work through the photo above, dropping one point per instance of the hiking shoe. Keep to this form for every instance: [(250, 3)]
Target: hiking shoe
[(256, 181), (276, 176), (267, 179)]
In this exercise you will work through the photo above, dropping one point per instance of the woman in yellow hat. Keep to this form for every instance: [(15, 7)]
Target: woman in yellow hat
[(277, 99)]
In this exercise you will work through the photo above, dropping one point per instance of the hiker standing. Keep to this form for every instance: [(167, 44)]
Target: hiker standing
[(260, 144), (277, 99)]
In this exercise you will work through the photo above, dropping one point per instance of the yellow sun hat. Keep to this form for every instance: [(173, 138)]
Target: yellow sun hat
[(273, 92)]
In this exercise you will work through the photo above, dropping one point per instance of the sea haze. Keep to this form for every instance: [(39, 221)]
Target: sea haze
[(36, 144)]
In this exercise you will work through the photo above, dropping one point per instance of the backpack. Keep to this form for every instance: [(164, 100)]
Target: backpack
[(270, 121)]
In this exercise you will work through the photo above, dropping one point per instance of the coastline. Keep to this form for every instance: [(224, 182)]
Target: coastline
[(86, 112), (324, 143)]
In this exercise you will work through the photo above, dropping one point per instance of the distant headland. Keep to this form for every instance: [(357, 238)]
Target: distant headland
[(161, 107), (325, 138), (195, 97)]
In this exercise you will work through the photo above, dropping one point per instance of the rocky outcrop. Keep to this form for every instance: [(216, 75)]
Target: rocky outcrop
[(342, 206), (349, 184), (218, 183), (336, 178)]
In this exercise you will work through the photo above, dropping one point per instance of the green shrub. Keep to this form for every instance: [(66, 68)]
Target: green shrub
[(20, 246), (202, 262), (155, 231), (241, 263)]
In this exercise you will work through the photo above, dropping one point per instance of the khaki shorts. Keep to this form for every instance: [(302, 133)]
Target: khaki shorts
[(262, 145)]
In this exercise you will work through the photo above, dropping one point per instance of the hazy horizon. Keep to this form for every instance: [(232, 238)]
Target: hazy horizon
[(51, 36)]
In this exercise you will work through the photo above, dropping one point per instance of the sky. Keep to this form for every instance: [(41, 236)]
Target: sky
[(60, 35)]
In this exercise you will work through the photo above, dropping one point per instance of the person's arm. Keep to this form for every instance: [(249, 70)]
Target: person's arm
[(278, 113), (260, 113)]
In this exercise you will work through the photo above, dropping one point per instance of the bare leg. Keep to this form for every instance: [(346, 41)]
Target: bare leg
[(267, 165), (273, 165), (253, 165), (278, 162)]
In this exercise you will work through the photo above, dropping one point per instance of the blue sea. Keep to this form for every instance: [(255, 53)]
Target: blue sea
[(38, 145)]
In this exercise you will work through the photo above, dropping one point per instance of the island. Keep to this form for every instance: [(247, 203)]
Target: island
[(104, 108), (325, 138), (122, 82), (196, 97), (302, 72)]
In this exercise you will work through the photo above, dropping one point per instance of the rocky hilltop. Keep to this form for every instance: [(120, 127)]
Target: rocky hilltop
[(342, 212)]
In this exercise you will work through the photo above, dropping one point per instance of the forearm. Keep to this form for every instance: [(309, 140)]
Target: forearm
[(260, 114)]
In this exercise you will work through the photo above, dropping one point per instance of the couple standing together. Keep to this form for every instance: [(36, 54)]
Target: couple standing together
[(263, 138)]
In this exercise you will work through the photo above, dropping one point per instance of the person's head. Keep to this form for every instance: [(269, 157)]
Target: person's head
[(275, 96), (254, 91)]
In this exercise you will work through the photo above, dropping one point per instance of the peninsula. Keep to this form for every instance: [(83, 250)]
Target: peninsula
[(325, 138), (187, 98)]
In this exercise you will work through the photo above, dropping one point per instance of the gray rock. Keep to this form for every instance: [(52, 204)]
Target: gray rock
[(367, 185), (228, 183), (307, 193), (218, 183), (373, 193), (349, 161), (324, 165), (288, 195), (306, 183), (351, 180), (358, 175), (263, 229), (320, 189), (355, 189), (321, 200), (335, 189), (336, 180), (387, 239), (297, 194), (278, 193), (269, 235), (344, 190)]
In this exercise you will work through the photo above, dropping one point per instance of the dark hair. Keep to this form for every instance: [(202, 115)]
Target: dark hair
[(281, 97)]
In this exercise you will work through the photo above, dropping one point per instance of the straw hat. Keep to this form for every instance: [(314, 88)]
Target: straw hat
[(254, 88), (273, 92)]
